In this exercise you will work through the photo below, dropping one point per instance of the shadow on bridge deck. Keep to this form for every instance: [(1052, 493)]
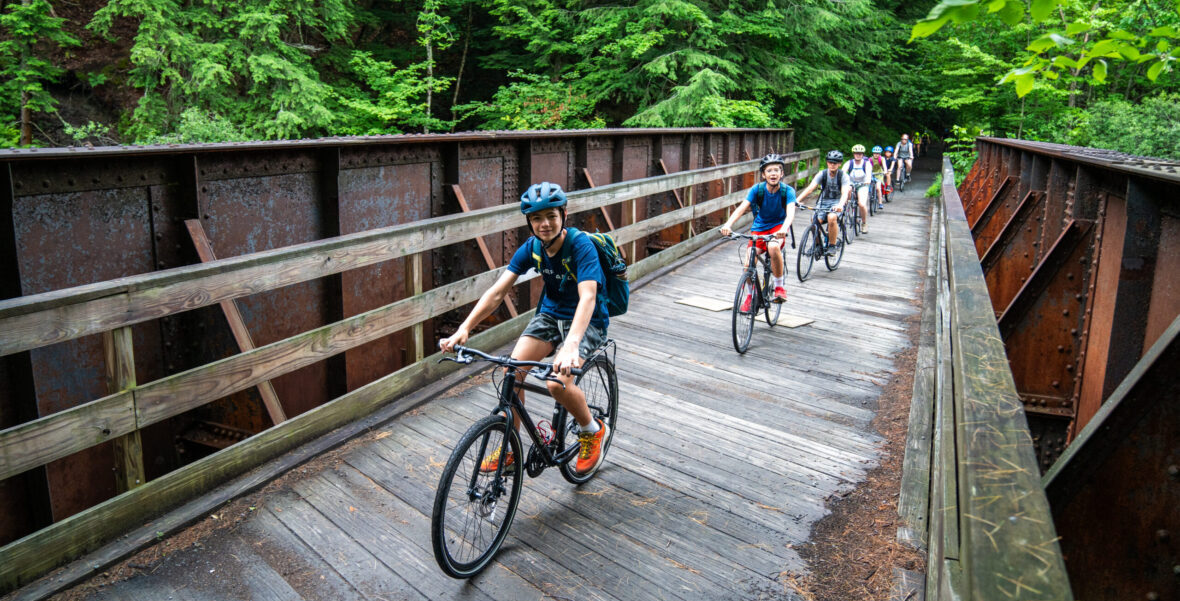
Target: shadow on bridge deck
[(720, 466)]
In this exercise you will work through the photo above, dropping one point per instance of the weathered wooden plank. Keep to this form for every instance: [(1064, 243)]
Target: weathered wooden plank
[(396, 534), (119, 357), (282, 550), (592, 511), (237, 325), (57, 435), (371, 577)]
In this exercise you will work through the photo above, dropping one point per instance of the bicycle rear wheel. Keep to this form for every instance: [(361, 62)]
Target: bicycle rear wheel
[(601, 387), (745, 307), (834, 261), (472, 508), (806, 257), (771, 309)]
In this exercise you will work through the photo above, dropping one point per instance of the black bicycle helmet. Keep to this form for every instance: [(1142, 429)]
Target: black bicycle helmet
[(542, 196), (836, 156), (771, 159)]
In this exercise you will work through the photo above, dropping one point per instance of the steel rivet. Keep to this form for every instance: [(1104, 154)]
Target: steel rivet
[(1077, 297), (1162, 535), (1073, 332), (1153, 596), (1060, 348), (1069, 276), (1065, 311), (1056, 383), (1068, 368), (1176, 569)]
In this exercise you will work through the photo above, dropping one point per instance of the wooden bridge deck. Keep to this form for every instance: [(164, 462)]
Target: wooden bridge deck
[(720, 466)]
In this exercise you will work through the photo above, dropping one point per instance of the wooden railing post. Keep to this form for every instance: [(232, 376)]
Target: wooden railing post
[(120, 372), (416, 279)]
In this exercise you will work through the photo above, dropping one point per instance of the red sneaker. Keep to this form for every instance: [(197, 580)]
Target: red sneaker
[(780, 294), (747, 301), (590, 455)]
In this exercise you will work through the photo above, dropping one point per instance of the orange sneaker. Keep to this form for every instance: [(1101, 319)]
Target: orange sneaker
[(780, 294), (491, 462), (590, 456)]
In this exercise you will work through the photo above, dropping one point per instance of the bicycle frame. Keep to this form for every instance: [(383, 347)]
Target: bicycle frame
[(510, 405)]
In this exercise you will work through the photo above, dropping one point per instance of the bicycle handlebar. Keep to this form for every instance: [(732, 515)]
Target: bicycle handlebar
[(737, 236), (541, 370)]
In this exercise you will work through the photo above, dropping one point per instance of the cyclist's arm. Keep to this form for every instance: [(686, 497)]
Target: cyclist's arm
[(567, 355), (845, 194), (809, 189), (487, 303), (738, 212), (789, 220)]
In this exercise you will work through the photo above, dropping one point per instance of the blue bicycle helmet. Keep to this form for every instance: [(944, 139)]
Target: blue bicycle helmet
[(888, 149), (542, 196), (876, 150)]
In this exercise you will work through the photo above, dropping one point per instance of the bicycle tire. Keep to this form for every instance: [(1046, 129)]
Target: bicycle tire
[(834, 262), (458, 543), (772, 309), (846, 224), (873, 201), (806, 257), (743, 321), (601, 387)]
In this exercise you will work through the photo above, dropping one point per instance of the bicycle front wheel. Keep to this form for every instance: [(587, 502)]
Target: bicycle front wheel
[(473, 508), (806, 257), (773, 309), (745, 307), (601, 387)]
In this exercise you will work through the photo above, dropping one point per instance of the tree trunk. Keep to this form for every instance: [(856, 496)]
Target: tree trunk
[(462, 63), (429, 81), (26, 117)]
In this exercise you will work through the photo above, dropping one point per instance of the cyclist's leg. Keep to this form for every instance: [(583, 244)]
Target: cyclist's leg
[(775, 250), (570, 396), (529, 347), (909, 168), (833, 228), (862, 201)]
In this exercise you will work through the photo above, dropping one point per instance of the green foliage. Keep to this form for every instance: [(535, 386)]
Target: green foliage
[(1079, 35), (935, 189), (534, 102), (1149, 128), (25, 28), (251, 63), (960, 149)]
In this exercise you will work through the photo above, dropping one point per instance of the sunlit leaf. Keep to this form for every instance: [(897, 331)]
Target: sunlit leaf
[(1041, 8), (1024, 85), (1119, 34), (1078, 27), (1162, 46), (1100, 71), (1153, 72), (1051, 74), (1012, 13), (926, 28), (1064, 61), (1165, 32)]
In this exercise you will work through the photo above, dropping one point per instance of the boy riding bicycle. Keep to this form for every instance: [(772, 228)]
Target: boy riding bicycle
[(835, 190), (569, 317), (774, 210)]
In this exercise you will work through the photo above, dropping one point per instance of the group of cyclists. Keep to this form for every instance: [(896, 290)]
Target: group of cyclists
[(570, 321), (867, 179)]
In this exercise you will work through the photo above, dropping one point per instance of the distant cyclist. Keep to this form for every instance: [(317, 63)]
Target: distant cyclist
[(860, 173), (569, 317), (834, 191), (774, 209), (905, 158), (890, 169), (880, 176), (918, 143)]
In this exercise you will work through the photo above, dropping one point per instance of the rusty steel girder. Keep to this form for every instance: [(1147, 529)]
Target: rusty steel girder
[(1081, 252), (75, 216)]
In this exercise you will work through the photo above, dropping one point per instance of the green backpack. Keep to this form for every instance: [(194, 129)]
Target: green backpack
[(614, 268)]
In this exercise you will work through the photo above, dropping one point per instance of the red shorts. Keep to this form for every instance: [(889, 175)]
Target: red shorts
[(762, 244)]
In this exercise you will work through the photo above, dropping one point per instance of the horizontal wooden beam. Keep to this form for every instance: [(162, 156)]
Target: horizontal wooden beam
[(57, 435), (38, 320)]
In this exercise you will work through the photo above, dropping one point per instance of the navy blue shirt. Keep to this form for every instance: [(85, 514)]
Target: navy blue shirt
[(560, 295), (773, 211)]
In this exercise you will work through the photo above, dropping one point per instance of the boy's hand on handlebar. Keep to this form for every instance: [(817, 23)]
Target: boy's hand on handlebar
[(459, 337), (567, 359), (725, 231)]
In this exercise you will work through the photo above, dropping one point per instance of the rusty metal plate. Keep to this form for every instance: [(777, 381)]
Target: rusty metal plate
[(243, 216), (997, 212), (1009, 261)]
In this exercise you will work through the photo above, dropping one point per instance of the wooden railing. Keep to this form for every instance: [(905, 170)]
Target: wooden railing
[(110, 308), (991, 534)]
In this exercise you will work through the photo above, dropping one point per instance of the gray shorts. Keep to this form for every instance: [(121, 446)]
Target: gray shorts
[(552, 330)]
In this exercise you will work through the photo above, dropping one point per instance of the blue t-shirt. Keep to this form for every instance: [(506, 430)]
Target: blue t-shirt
[(560, 295), (773, 211)]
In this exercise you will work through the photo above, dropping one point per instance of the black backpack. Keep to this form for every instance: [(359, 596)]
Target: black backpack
[(823, 183)]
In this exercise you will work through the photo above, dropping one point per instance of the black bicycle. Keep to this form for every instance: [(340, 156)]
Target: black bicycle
[(813, 244), (754, 295), (903, 176), (474, 504)]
